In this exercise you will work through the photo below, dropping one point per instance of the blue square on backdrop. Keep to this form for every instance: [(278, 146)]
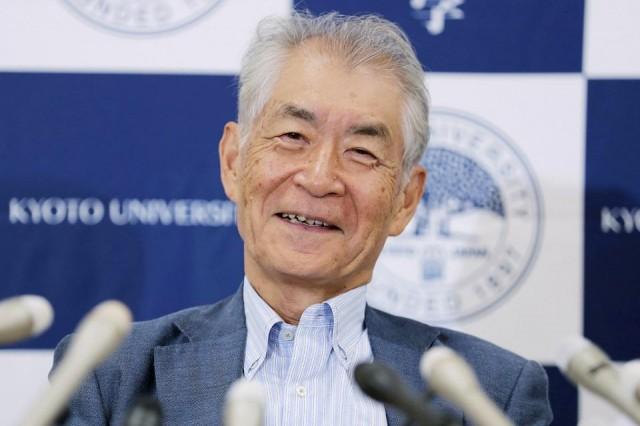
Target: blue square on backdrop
[(563, 396), (114, 137), (612, 217), (481, 36)]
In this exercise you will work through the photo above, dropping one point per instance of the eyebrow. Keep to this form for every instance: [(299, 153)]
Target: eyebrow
[(290, 110), (375, 130)]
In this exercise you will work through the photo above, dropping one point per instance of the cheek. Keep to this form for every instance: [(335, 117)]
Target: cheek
[(376, 205), (261, 178), (253, 173)]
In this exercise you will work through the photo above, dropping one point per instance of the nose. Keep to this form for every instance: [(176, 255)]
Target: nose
[(321, 175)]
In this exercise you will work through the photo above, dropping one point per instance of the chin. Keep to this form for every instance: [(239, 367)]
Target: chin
[(305, 271)]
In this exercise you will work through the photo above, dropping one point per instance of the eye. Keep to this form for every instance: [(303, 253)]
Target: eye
[(292, 137), (363, 155), (291, 140), (363, 151)]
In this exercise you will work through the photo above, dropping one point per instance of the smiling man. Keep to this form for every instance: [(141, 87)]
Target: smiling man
[(323, 166), (318, 177)]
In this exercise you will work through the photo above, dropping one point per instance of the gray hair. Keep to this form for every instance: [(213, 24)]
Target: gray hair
[(359, 40)]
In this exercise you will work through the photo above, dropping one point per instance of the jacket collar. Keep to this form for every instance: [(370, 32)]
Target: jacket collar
[(192, 378), (399, 343), (213, 321)]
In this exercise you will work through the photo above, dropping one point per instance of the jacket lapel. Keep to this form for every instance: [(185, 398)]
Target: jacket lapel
[(400, 343), (193, 378)]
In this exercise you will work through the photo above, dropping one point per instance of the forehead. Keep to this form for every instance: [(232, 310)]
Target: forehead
[(335, 92)]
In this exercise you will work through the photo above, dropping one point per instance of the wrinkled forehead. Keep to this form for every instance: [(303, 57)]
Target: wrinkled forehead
[(319, 87), (327, 120)]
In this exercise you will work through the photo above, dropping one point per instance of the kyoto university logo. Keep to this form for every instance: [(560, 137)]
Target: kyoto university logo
[(476, 231), (435, 13), (143, 16)]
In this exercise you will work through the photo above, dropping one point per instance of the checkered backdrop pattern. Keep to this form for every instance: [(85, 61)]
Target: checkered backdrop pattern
[(110, 113)]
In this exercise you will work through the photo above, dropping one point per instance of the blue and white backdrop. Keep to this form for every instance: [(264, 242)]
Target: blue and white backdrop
[(110, 114)]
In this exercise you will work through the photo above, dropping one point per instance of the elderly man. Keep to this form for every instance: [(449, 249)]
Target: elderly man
[(323, 167)]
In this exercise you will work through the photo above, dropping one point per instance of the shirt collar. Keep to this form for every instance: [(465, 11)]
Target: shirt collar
[(348, 322), (260, 319), (344, 312)]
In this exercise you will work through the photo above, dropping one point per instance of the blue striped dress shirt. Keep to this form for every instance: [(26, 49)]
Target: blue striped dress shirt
[(307, 370)]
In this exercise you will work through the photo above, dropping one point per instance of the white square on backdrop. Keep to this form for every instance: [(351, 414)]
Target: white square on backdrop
[(119, 36), (24, 379), (543, 117), (612, 38)]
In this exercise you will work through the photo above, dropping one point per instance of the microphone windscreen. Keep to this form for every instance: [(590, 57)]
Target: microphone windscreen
[(22, 317), (101, 331), (447, 372), (245, 404), (98, 335), (146, 411), (568, 349), (451, 377), (41, 312), (378, 382)]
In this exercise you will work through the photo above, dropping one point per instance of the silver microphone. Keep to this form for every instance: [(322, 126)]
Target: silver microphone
[(587, 365), (631, 372), (98, 335), (245, 404), (22, 317), (449, 375)]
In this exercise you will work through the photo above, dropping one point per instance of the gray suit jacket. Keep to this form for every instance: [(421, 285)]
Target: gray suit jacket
[(189, 359)]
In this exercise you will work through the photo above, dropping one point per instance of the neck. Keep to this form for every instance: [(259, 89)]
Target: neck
[(290, 297), (290, 302)]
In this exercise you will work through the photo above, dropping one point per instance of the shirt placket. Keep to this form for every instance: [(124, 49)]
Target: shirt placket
[(311, 351)]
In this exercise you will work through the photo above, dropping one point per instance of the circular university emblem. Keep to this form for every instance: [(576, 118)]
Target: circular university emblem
[(142, 16), (476, 231)]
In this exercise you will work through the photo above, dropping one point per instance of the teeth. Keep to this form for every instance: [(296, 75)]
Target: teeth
[(301, 219)]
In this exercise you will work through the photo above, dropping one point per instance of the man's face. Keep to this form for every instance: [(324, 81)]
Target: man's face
[(317, 184)]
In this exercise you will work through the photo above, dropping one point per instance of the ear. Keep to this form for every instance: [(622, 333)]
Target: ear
[(229, 152), (408, 200)]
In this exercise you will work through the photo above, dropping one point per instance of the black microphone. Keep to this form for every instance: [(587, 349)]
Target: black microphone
[(383, 384), (146, 411)]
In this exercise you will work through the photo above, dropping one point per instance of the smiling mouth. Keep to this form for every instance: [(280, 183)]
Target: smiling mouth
[(308, 221)]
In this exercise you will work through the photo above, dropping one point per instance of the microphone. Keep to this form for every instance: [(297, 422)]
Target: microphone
[(587, 365), (631, 372), (245, 404), (99, 334), (147, 411), (22, 317), (383, 384), (451, 377)]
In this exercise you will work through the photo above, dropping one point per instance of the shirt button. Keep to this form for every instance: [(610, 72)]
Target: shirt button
[(301, 391), (287, 335)]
